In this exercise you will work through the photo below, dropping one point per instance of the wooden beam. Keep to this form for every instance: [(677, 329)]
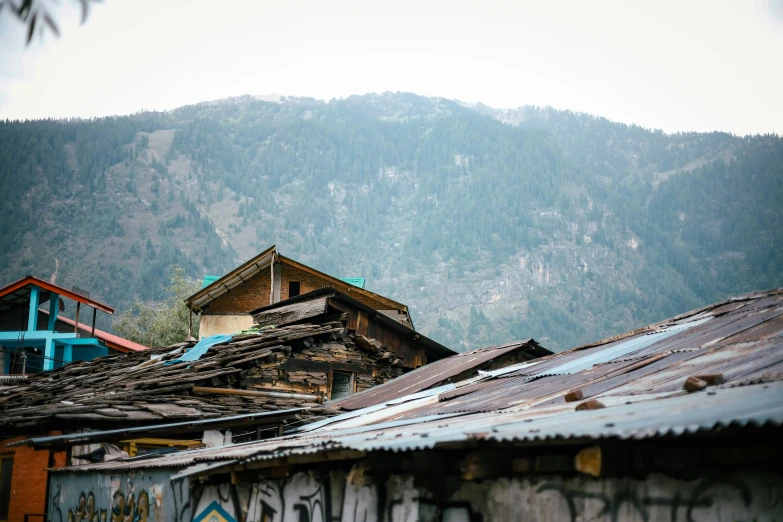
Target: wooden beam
[(308, 365), (254, 393)]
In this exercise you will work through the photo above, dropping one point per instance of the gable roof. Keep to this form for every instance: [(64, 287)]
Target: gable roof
[(17, 294), (201, 299), (231, 280)]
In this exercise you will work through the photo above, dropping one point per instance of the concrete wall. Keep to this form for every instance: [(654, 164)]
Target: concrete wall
[(138, 496), (223, 324), (28, 478), (356, 497)]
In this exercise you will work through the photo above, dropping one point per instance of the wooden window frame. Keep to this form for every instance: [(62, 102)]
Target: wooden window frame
[(351, 383)]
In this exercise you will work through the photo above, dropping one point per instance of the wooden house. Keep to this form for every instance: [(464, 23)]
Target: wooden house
[(267, 279)]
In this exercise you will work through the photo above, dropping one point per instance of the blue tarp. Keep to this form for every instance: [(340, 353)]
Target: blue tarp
[(195, 353)]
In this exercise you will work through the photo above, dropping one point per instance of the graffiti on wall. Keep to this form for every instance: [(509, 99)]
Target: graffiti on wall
[(360, 496), (110, 499), (354, 497)]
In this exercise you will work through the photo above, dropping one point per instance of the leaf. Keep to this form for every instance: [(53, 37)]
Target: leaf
[(31, 30), (53, 26), (24, 9), (85, 9)]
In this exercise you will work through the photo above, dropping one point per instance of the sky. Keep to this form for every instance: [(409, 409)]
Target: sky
[(684, 65)]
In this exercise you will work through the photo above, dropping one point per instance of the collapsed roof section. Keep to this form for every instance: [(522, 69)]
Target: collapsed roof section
[(328, 303)]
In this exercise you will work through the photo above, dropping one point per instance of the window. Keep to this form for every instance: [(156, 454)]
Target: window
[(342, 384), (6, 467), (293, 288)]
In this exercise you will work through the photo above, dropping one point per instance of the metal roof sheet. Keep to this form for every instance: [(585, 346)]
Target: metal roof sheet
[(756, 405), (429, 375), (199, 424), (638, 377)]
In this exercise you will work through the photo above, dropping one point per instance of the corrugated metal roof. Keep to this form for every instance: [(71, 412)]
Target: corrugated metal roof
[(429, 375), (639, 377), (756, 405)]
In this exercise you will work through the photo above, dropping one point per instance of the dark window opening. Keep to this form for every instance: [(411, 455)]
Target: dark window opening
[(6, 467), (293, 288), (342, 384)]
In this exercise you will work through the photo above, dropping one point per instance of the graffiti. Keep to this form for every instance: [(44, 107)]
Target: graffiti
[(103, 498), (181, 498), (123, 509), (130, 509), (361, 496), (57, 514), (713, 498), (216, 503), (85, 510), (302, 498)]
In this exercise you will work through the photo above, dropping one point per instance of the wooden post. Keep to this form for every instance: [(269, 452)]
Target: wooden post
[(190, 324), (94, 311), (272, 281), (76, 323)]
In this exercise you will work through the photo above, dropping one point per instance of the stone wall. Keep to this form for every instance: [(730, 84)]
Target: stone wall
[(308, 369)]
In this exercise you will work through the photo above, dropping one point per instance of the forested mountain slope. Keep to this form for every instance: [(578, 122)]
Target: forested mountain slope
[(490, 224)]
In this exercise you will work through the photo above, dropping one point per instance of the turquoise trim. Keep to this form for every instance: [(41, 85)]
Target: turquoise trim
[(208, 280), (90, 341), (38, 335), (214, 512), (355, 281), (32, 317), (54, 309), (48, 363)]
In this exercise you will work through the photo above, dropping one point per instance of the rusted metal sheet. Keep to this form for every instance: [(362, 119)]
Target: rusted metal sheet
[(429, 375), (757, 405), (642, 389)]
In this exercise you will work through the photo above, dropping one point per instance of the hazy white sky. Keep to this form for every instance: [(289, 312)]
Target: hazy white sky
[(675, 65)]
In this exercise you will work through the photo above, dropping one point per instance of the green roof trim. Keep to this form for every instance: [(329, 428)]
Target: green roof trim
[(355, 281), (208, 280)]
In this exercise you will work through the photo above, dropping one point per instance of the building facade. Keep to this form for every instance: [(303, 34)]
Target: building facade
[(269, 278)]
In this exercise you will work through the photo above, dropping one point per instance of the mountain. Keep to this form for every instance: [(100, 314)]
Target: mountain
[(491, 224)]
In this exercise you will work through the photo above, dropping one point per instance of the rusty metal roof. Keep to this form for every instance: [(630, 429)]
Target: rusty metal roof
[(434, 374), (749, 406), (739, 341)]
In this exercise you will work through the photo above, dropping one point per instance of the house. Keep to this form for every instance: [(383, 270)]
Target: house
[(34, 339), (680, 420), (251, 385), (266, 279)]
